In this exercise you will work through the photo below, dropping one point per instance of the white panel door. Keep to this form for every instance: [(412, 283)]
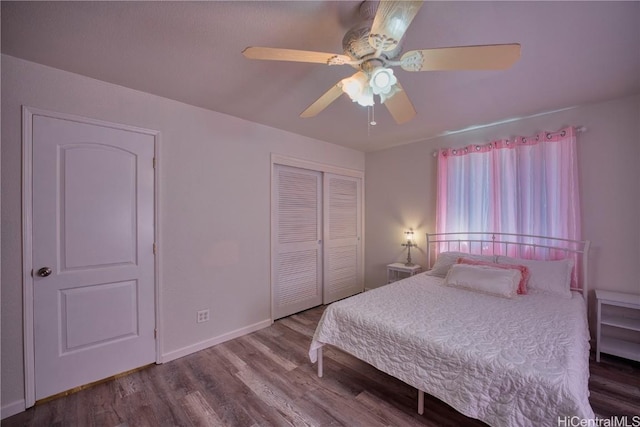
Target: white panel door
[(342, 243), (93, 234), (297, 263)]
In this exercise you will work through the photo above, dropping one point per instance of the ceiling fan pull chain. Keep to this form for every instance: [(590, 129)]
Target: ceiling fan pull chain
[(371, 119)]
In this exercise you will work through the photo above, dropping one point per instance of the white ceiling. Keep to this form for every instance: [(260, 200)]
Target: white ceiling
[(572, 53)]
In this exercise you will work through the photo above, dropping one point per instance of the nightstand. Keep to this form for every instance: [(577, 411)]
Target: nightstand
[(618, 325), (398, 270)]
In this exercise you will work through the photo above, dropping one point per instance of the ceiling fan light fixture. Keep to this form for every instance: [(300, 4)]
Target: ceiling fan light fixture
[(382, 80), (354, 85), (357, 88), (366, 98)]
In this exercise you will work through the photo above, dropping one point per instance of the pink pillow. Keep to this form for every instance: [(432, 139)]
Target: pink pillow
[(522, 286)]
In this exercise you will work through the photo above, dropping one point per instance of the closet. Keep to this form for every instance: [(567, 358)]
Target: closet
[(316, 238)]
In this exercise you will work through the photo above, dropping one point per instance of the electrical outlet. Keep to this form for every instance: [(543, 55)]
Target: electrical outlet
[(203, 316)]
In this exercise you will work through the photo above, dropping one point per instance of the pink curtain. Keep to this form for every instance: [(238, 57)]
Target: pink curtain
[(525, 185)]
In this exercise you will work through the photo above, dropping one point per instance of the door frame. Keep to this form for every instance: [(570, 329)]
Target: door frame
[(280, 159), (27, 235)]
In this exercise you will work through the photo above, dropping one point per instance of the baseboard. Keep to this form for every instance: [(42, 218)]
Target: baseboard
[(12, 409), (176, 354)]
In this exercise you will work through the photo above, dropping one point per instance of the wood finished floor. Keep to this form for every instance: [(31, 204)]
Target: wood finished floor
[(266, 379)]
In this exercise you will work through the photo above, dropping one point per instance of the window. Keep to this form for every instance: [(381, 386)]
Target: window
[(525, 185)]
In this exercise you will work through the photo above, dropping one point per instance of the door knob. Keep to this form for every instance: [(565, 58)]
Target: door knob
[(44, 272)]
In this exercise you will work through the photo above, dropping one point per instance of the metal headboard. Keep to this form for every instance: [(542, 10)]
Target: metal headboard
[(518, 246)]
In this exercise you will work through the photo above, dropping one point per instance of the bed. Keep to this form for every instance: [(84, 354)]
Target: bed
[(516, 360)]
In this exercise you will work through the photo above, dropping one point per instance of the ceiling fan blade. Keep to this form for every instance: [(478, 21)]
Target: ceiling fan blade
[(276, 54), (323, 102), (400, 106), (486, 57), (391, 22)]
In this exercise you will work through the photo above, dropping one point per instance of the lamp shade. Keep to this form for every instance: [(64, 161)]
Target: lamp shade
[(408, 236)]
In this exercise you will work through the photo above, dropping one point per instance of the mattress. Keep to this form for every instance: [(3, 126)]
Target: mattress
[(508, 362)]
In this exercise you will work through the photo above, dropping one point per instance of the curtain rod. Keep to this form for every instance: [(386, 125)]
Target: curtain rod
[(579, 129)]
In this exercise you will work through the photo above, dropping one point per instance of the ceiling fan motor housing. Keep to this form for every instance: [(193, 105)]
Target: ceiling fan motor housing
[(355, 44)]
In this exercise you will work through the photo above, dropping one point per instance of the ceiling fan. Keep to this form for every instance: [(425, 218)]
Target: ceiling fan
[(374, 45)]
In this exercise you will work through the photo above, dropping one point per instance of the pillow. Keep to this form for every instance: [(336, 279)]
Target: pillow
[(446, 259), (553, 277), (524, 271), (500, 282)]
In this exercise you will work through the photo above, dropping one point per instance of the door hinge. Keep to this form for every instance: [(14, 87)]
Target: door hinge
[(155, 334), (154, 248), (154, 162)]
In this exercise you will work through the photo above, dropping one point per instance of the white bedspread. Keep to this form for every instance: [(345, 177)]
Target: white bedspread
[(507, 362)]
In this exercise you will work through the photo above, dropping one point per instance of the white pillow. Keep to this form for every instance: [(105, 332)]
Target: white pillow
[(553, 277), (489, 280), (446, 259)]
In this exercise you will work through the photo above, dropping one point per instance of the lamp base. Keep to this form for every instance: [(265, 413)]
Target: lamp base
[(408, 245)]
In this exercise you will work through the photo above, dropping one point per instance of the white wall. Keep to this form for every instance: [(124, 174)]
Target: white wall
[(214, 205), (401, 190)]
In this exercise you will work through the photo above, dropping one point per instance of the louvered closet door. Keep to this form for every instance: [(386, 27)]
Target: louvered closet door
[(342, 230), (298, 249)]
